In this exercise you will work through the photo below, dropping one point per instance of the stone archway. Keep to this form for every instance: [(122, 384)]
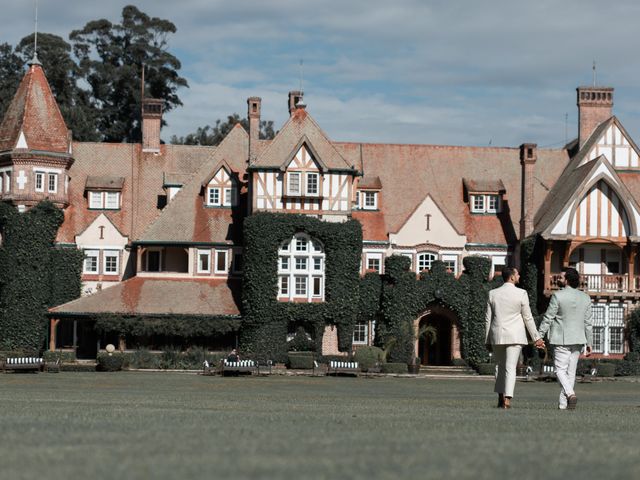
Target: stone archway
[(446, 348)]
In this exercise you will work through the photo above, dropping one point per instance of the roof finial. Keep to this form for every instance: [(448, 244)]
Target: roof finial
[(595, 76), (34, 60), (300, 102)]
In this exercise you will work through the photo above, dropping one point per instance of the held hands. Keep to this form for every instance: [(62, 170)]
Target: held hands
[(539, 344), (587, 351)]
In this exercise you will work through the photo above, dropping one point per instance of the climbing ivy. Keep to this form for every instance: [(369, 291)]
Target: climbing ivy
[(266, 320), (404, 298), (186, 326), (34, 274)]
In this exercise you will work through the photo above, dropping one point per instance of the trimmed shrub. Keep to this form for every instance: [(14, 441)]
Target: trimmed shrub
[(486, 368), (629, 366), (110, 362), (606, 369), (368, 357), (63, 356), (301, 360), (394, 368), (301, 342)]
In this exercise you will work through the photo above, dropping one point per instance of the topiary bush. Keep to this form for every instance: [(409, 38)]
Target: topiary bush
[(301, 342), (301, 360), (368, 357), (110, 362), (394, 368)]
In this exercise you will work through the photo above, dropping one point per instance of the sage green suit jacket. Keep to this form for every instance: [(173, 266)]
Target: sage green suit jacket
[(568, 318)]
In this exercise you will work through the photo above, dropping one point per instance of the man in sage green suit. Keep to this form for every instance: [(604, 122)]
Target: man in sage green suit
[(567, 322)]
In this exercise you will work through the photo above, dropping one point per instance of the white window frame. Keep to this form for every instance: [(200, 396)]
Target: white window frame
[(93, 195), (110, 254), (367, 194), (39, 177), (7, 185), (297, 259), (477, 204), (492, 199), (605, 325), (361, 328), (50, 176), (421, 262), (203, 253), (225, 267), (481, 203), (374, 256), (309, 176), (450, 258), (214, 202), (290, 175), (111, 195), (91, 254)]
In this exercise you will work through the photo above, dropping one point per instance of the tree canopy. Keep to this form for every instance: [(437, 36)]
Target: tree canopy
[(208, 135)]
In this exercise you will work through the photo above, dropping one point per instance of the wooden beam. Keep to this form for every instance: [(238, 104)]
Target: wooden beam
[(53, 330), (547, 265)]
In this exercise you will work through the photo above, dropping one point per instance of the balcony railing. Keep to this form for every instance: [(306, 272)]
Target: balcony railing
[(607, 284)]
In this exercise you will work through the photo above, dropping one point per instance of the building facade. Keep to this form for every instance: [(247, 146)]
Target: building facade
[(161, 225)]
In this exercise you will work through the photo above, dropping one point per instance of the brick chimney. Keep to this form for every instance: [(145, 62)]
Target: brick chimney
[(528, 157), (295, 98), (151, 123), (253, 114), (595, 105)]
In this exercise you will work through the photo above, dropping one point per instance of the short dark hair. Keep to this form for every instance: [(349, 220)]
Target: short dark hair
[(572, 277), (508, 272)]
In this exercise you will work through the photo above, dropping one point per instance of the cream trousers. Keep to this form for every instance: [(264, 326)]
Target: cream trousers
[(565, 361), (507, 360)]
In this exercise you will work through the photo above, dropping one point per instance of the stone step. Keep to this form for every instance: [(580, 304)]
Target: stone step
[(447, 370)]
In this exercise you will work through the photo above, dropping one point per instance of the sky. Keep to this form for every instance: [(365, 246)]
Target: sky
[(464, 72)]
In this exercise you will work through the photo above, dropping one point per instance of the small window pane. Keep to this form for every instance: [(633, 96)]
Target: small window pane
[(360, 332), (294, 183), (317, 286), (221, 261), (317, 263), (227, 197), (373, 263), (301, 286), (53, 182), (111, 262), (91, 261), (312, 183), (204, 261), (478, 203), (39, 181), (301, 263), (425, 260), (95, 199), (284, 286), (214, 196), (301, 244), (284, 263), (112, 200)]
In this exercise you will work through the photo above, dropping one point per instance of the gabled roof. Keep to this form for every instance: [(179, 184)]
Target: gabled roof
[(160, 296), (370, 182), (221, 164), (33, 119), (186, 219), (572, 187), (300, 129)]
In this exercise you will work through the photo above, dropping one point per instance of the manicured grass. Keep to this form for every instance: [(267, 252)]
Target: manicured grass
[(168, 425)]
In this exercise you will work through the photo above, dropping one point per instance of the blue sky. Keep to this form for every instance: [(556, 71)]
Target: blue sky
[(441, 72)]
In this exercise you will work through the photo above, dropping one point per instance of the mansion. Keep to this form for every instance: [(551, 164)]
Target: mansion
[(161, 225)]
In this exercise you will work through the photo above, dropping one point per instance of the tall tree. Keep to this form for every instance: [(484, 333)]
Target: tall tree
[(208, 135), (63, 75), (11, 71), (111, 57)]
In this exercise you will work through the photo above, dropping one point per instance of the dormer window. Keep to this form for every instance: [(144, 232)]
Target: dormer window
[(485, 203), (312, 184), (104, 200), (221, 197), (368, 200)]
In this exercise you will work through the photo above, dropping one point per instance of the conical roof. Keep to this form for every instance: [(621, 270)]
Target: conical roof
[(33, 121)]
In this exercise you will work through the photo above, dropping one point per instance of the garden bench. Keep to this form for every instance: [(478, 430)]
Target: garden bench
[(344, 368), (241, 366), (24, 364)]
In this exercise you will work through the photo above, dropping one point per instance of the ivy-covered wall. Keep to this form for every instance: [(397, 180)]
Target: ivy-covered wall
[(185, 326), (265, 320), (34, 274), (404, 298)]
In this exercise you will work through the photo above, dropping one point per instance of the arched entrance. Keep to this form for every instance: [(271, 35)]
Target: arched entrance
[(446, 346)]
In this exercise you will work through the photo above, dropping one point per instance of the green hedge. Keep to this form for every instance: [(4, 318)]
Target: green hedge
[(301, 360), (110, 362), (265, 320), (62, 355), (186, 326), (486, 368), (394, 368), (368, 357), (34, 274)]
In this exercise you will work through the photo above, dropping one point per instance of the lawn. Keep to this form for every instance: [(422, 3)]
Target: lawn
[(170, 425)]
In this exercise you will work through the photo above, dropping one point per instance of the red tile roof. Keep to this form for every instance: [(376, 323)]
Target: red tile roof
[(34, 112), (160, 296)]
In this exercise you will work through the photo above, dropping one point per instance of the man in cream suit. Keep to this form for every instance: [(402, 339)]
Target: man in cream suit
[(568, 322), (508, 314)]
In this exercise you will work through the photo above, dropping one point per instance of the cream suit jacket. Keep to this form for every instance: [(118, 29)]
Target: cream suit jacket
[(508, 313), (568, 318)]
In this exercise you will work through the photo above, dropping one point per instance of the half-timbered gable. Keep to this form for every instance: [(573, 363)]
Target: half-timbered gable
[(612, 140), (302, 172), (221, 188)]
